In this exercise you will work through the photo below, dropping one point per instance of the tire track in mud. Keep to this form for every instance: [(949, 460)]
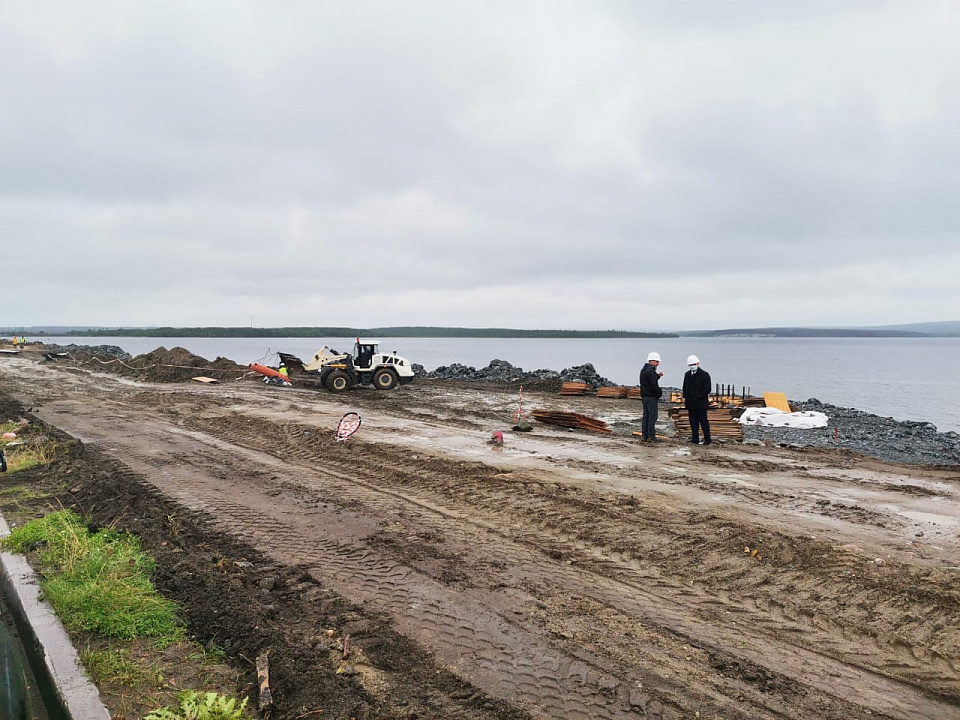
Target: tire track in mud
[(493, 654), (545, 679), (915, 664)]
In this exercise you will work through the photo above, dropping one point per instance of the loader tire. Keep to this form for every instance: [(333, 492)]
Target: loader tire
[(338, 381), (385, 379)]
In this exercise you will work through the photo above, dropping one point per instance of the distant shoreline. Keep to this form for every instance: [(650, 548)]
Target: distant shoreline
[(917, 330), (311, 332)]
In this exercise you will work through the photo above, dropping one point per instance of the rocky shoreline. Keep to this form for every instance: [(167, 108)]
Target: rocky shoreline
[(901, 441)]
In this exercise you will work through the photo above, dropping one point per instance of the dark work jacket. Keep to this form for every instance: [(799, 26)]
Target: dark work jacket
[(650, 382), (696, 390)]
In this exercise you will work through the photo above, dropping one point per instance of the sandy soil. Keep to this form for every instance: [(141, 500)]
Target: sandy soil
[(566, 575)]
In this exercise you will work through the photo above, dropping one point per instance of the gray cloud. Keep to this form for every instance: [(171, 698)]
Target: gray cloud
[(614, 164)]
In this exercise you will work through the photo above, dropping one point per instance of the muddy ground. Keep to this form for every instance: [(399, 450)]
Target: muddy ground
[(565, 575)]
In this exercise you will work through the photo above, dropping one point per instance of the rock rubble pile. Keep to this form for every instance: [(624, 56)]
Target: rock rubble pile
[(902, 441), (101, 351), (503, 371)]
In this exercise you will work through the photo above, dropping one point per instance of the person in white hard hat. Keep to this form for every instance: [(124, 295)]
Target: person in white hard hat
[(650, 394), (696, 399)]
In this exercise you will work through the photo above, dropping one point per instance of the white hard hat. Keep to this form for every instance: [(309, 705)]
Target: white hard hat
[(693, 360), (653, 356)]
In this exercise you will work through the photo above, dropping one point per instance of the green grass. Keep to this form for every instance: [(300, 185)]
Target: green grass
[(20, 493), (98, 582), (214, 654), (24, 457), (115, 667), (7, 427)]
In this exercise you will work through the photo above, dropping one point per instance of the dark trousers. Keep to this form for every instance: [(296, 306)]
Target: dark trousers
[(698, 419), (649, 424)]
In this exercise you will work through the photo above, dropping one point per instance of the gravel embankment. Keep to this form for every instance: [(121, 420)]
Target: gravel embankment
[(503, 371), (101, 351), (902, 441)]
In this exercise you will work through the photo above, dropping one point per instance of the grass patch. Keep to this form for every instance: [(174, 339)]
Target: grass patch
[(34, 453), (22, 493), (136, 678), (98, 582), (212, 655), (114, 666)]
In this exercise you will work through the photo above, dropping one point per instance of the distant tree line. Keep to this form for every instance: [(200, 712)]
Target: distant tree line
[(241, 332), (806, 333)]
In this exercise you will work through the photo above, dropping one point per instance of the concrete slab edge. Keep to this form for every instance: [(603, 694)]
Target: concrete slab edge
[(78, 695)]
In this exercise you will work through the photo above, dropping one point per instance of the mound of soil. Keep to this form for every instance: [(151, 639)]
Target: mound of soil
[(161, 365)]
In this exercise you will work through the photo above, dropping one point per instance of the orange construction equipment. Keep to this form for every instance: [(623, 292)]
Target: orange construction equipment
[(268, 371)]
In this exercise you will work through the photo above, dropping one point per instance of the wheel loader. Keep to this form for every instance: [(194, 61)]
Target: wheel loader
[(338, 372)]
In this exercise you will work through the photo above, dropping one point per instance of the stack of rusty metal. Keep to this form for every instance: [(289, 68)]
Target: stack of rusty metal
[(612, 392), (723, 424), (570, 420), (574, 388), (633, 393)]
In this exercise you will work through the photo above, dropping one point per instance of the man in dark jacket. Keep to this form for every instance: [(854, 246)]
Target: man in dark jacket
[(696, 399), (650, 393)]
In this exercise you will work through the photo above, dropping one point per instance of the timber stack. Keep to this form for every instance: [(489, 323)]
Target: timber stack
[(723, 424), (570, 420), (574, 388), (612, 392)]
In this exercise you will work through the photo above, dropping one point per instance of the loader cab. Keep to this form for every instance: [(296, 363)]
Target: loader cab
[(363, 352)]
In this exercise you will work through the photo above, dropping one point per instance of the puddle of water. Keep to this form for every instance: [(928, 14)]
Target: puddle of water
[(733, 479), (926, 517)]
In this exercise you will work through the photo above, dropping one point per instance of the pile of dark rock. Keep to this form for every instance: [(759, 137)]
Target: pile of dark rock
[(100, 351), (902, 441), (505, 372)]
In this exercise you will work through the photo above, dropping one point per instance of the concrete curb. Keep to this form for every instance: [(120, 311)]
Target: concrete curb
[(79, 697)]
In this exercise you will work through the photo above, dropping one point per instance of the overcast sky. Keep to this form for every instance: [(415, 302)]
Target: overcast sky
[(632, 165)]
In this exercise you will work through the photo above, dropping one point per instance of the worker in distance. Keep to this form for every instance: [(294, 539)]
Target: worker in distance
[(650, 394)]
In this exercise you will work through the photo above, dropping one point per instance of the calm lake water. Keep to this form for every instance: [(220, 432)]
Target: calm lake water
[(908, 379)]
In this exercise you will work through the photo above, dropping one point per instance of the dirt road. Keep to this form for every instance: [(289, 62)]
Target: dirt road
[(570, 575)]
